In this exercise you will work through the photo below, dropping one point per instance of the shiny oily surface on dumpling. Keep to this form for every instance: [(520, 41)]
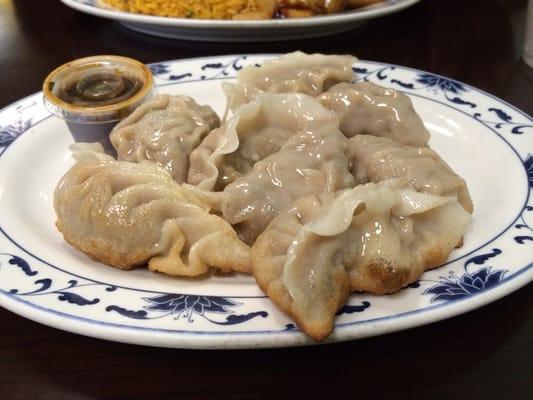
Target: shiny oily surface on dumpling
[(311, 161), (295, 72), (255, 131), (374, 237), (420, 168), (365, 108), (126, 214), (164, 131)]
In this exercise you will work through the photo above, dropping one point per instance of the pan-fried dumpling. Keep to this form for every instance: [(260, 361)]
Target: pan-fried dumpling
[(374, 237), (369, 109), (310, 162), (257, 130), (420, 168), (127, 214), (295, 72), (164, 131)]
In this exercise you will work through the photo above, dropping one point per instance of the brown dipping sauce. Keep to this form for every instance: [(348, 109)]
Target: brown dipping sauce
[(92, 94), (100, 89), (97, 91)]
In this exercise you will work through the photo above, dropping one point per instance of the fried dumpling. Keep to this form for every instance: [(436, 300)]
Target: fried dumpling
[(164, 131), (365, 108), (374, 237), (310, 162), (295, 72), (257, 130), (419, 168), (127, 214)]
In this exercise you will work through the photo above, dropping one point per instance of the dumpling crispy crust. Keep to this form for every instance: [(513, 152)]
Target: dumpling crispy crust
[(126, 215), (268, 258), (103, 251), (379, 251)]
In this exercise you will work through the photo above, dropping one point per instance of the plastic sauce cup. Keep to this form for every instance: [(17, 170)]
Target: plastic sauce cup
[(92, 94)]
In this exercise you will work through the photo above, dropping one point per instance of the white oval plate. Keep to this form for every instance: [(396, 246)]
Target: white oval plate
[(247, 31), (42, 278)]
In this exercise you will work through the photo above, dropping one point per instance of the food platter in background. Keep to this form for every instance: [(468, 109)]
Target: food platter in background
[(243, 30), (44, 279)]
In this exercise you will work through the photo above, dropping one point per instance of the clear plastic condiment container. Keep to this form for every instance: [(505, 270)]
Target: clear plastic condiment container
[(92, 94)]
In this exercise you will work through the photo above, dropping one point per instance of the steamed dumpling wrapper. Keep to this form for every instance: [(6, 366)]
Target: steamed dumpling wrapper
[(419, 168), (374, 237), (310, 161), (365, 108), (295, 72), (127, 214), (82, 151), (164, 131), (257, 130)]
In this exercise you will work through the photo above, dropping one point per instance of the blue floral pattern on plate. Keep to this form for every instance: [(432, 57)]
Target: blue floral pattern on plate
[(187, 306), (32, 286), (456, 287), (18, 118)]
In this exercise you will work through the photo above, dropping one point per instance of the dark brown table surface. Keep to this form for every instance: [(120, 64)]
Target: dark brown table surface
[(485, 354)]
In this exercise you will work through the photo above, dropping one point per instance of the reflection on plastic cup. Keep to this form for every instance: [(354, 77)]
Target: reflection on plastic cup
[(528, 40)]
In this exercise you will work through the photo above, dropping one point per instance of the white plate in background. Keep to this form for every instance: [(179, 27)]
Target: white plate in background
[(243, 31)]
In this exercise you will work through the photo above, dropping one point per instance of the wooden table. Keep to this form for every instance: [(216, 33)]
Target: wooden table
[(485, 354)]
